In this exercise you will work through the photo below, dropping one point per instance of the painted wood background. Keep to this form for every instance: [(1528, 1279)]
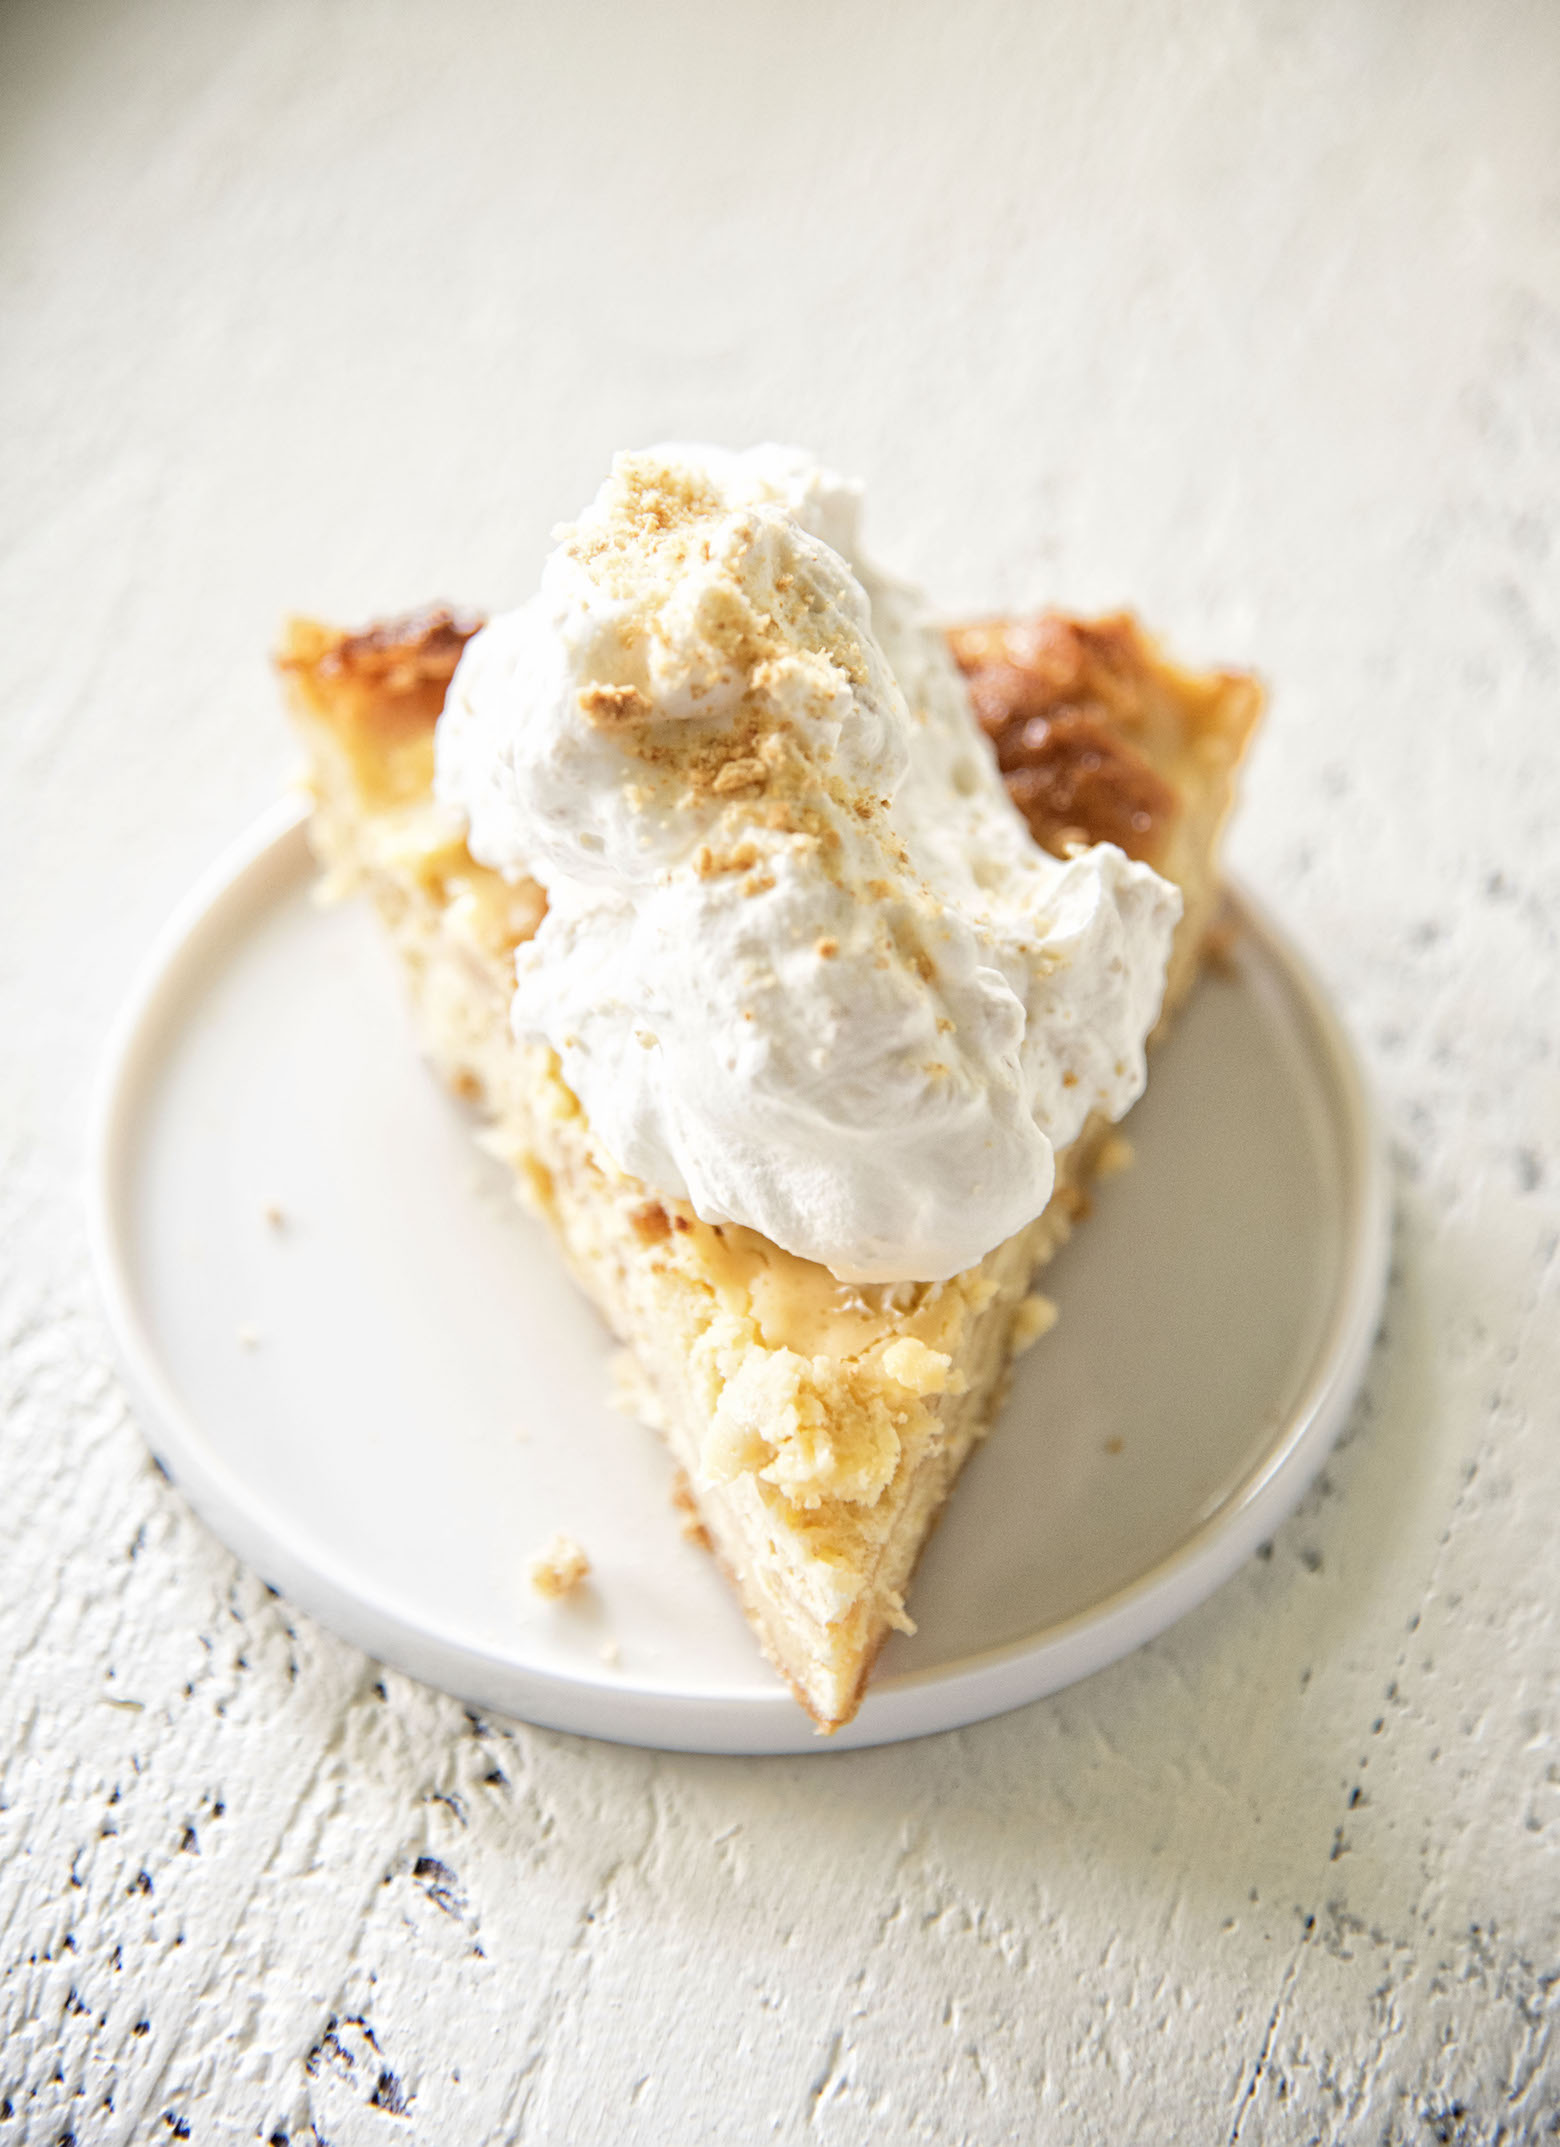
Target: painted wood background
[(1246, 313)]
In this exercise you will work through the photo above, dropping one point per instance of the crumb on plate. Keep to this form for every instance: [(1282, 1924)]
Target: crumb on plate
[(560, 1569), (1036, 1315)]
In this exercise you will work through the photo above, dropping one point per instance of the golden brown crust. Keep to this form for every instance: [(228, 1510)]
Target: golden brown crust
[(398, 670), (1092, 725), (380, 691), (1110, 664), (1088, 719), (1075, 780)]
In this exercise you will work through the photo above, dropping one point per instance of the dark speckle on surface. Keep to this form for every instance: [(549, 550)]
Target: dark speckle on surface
[(387, 2093), (1444, 2121)]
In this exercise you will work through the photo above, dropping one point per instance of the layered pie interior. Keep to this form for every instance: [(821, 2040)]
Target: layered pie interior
[(817, 1426)]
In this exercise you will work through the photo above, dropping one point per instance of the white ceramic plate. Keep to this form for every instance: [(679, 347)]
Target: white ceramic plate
[(388, 1402)]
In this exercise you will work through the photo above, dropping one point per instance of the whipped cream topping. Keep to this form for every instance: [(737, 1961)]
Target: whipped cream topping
[(802, 962)]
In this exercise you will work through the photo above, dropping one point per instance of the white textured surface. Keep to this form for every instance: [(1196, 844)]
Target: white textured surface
[(1250, 314)]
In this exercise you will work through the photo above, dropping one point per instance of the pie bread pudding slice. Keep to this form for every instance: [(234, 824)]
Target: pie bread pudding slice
[(817, 1425)]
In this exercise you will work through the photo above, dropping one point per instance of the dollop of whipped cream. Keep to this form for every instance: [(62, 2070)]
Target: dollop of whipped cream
[(802, 962)]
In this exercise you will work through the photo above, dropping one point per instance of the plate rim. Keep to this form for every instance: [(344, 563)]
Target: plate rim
[(914, 1703)]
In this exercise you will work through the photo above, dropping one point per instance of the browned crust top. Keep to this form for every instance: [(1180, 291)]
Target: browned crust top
[(391, 677), (1091, 724), (1093, 727)]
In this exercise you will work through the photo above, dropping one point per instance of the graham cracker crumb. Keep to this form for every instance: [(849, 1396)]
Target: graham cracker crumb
[(711, 864), (743, 774), (560, 1569), (693, 1529), (609, 706)]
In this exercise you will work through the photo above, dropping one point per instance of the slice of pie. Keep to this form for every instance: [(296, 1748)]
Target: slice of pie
[(817, 1425)]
